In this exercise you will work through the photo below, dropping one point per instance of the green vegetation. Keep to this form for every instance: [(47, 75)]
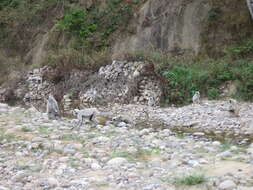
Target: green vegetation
[(76, 23), (182, 76), (213, 93), (92, 28), (90, 33), (26, 129), (242, 50), (140, 154), (81, 38), (226, 146), (191, 179), (44, 129), (214, 14), (6, 137)]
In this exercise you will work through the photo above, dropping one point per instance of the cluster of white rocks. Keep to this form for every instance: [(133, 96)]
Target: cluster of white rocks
[(38, 88), (67, 103), (149, 92), (208, 117), (36, 153), (123, 82)]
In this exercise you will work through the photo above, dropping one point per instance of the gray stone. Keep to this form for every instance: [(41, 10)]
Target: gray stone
[(216, 143), (227, 185), (199, 134), (121, 124), (117, 161), (19, 177), (3, 188), (95, 166), (69, 151), (151, 187), (224, 154)]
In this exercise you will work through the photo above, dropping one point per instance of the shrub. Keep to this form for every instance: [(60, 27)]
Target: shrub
[(71, 58), (191, 179), (213, 93), (76, 22), (214, 14), (95, 26), (182, 76), (9, 3), (240, 50)]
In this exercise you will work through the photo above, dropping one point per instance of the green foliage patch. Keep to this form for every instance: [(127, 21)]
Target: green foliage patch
[(92, 28), (182, 76), (206, 77), (191, 179), (241, 50), (76, 23)]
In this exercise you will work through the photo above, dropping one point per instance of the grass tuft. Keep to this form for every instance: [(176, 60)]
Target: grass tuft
[(191, 179)]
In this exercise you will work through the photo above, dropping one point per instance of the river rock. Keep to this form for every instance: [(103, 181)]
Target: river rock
[(117, 161), (227, 185)]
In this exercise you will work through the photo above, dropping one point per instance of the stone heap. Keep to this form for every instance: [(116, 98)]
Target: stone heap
[(89, 97), (38, 88), (123, 82), (67, 103), (149, 92)]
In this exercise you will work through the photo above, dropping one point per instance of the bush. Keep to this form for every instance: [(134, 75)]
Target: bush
[(95, 26), (71, 58), (182, 76), (191, 179), (213, 93), (240, 50), (76, 22), (182, 82), (9, 3), (214, 14)]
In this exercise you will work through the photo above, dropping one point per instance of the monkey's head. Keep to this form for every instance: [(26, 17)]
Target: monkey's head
[(197, 93), (75, 112), (232, 101)]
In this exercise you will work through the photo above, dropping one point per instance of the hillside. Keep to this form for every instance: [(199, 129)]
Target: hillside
[(86, 35), (126, 95), (186, 39)]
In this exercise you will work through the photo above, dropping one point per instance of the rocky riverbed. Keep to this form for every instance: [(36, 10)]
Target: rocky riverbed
[(207, 118), (36, 153)]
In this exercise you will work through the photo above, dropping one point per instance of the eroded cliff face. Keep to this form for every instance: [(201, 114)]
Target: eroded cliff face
[(180, 27), (187, 26), (167, 25), (192, 27)]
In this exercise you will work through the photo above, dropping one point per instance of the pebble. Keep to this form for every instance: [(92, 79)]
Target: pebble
[(69, 151), (216, 143), (95, 166), (199, 134), (117, 161), (227, 185), (121, 124), (109, 157)]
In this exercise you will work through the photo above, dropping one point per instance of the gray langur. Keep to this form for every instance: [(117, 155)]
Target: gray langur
[(88, 114), (233, 107), (196, 98), (53, 111)]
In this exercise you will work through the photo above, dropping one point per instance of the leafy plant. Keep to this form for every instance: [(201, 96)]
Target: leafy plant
[(191, 179), (182, 77), (213, 93), (214, 14), (240, 50), (76, 22), (9, 3)]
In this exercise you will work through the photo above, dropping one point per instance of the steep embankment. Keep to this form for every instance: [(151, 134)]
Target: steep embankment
[(86, 34)]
